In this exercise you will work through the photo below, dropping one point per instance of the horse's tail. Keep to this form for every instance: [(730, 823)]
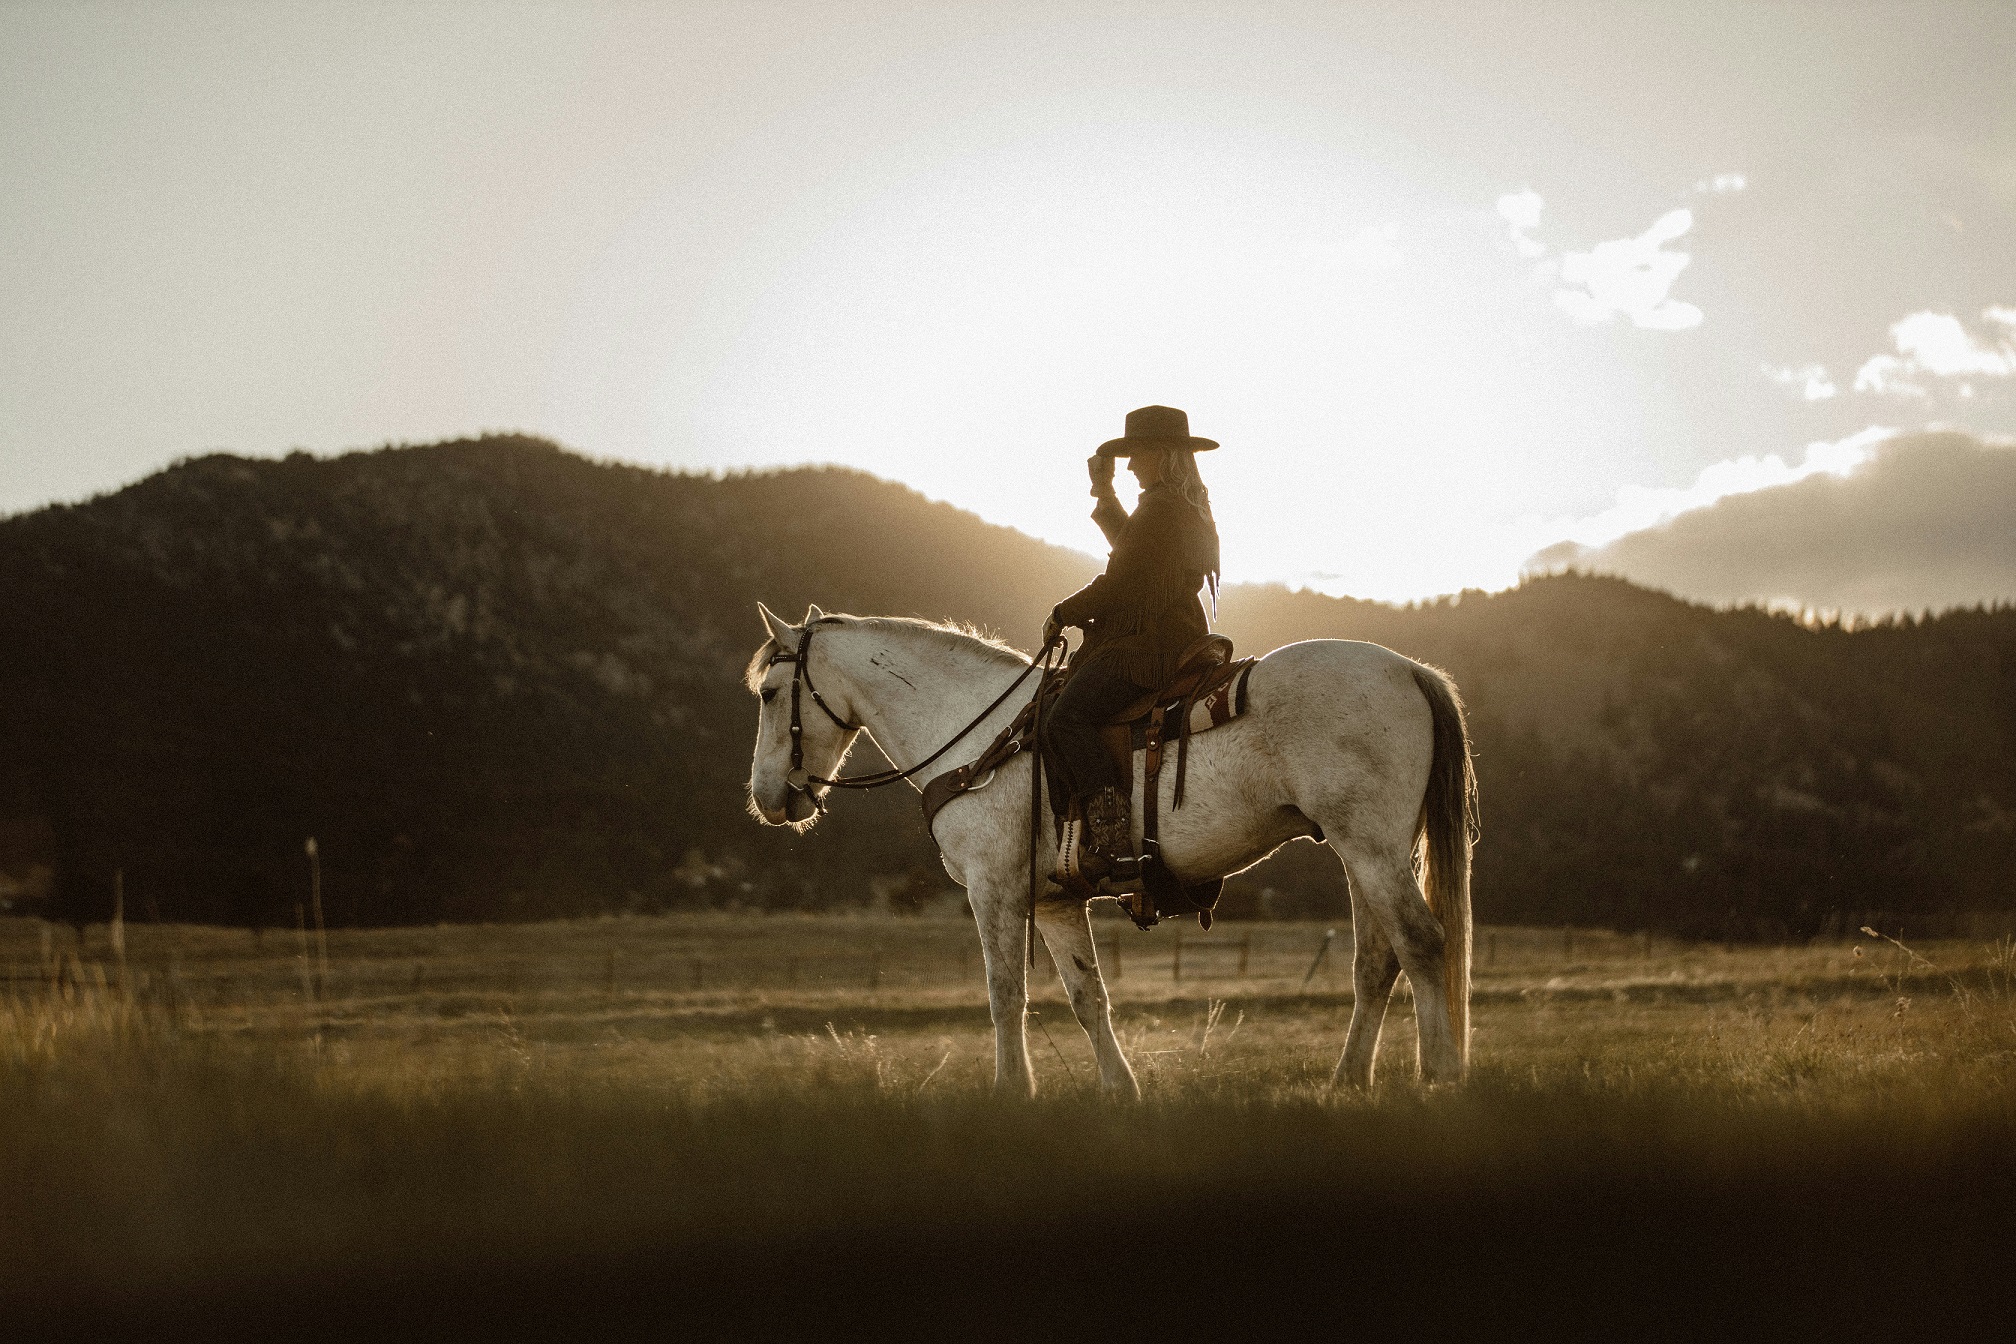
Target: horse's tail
[(1442, 840)]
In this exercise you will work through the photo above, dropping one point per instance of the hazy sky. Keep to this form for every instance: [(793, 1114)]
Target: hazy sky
[(1451, 283)]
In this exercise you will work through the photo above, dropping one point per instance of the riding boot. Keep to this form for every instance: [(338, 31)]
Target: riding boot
[(1109, 835), (1077, 866)]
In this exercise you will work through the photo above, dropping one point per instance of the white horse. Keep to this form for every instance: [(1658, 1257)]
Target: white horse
[(1344, 741)]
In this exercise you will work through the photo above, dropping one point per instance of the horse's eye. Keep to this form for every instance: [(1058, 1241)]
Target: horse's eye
[(769, 694)]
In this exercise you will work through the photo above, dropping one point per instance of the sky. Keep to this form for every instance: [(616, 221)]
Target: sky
[(1453, 284)]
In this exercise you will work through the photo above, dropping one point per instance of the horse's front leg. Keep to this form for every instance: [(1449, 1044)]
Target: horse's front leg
[(1067, 932), (1001, 909)]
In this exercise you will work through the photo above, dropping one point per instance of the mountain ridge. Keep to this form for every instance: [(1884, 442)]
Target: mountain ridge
[(499, 680)]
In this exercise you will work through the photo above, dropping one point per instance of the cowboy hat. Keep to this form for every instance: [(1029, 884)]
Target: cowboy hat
[(1155, 427)]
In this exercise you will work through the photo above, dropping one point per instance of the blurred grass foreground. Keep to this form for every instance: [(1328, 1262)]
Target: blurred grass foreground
[(782, 1125)]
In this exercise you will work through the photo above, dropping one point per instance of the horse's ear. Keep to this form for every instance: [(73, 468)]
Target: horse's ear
[(779, 628), (812, 613)]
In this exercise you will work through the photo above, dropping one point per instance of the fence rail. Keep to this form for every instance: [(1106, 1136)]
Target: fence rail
[(613, 961)]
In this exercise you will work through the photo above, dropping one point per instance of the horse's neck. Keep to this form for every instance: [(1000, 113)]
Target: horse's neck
[(913, 690)]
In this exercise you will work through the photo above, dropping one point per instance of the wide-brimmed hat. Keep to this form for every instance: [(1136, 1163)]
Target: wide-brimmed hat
[(1155, 427)]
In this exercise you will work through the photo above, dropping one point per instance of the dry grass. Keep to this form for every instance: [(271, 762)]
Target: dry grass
[(521, 1102)]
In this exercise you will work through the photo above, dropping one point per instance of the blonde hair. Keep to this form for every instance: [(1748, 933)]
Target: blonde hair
[(1179, 468), (1179, 471)]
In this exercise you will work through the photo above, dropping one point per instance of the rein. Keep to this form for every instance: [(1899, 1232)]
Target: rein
[(800, 781)]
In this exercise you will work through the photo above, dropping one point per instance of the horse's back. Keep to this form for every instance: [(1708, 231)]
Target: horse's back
[(1338, 674), (1346, 719)]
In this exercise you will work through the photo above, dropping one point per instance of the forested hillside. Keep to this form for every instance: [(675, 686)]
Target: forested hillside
[(1647, 763), (498, 680)]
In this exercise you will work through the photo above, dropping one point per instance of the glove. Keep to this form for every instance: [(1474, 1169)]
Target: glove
[(1100, 468), (1052, 628)]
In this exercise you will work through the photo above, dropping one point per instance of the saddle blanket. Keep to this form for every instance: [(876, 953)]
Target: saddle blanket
[(1213, 708)]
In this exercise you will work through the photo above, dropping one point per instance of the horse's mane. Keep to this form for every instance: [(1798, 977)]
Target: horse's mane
[(970, 636)]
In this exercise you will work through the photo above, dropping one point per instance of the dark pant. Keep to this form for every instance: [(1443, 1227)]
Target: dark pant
[(1081, 765)]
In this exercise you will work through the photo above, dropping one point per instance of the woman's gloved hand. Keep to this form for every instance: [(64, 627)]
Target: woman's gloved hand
[(1100, 467), (1052, 629)]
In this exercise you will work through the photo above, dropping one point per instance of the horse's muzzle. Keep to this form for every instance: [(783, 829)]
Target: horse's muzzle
[(787, 806), (803, 804)]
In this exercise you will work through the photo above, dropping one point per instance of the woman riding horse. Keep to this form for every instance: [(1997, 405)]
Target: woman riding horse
[(1138, 618)]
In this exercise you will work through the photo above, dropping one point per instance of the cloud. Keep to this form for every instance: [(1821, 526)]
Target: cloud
[(1939, 345), (1817, 385), (1632, 277), (1922, 521), (1888, 375), (1521, 211), (1721, 184), (1639, 507)]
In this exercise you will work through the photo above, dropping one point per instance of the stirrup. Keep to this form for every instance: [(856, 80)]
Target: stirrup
[(1139, 906), (1123, 879)]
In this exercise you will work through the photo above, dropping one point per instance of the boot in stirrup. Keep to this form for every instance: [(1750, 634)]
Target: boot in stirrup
[(1077, 869), (1109, 841)]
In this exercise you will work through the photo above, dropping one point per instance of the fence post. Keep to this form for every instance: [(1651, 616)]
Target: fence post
[(118, 927), (1245, 950), (1176, 960), (1322, 951), (321, 930)]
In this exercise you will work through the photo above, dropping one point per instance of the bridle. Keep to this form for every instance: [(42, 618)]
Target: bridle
[(815, 787)]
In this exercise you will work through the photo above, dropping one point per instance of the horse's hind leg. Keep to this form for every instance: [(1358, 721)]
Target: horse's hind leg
[(1067, 932), (1383, 875), (1001, 911), (1374, 968)]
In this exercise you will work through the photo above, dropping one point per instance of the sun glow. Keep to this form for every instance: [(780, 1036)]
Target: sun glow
[(1432, 284), (977, 326)]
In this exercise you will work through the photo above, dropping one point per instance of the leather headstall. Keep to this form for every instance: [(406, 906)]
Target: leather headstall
[(799, 781), (815, 787)]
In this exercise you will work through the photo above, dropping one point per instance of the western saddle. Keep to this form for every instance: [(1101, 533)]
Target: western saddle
[(1208, 690)]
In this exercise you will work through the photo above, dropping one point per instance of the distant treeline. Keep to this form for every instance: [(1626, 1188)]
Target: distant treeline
[(496, 680)]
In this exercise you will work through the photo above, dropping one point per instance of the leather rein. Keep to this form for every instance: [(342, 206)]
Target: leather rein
[(815, 787)]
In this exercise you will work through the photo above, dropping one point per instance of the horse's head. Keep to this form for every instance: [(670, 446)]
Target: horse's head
[(780, 792)]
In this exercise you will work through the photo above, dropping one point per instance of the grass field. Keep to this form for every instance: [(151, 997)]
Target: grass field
[(464, 1131)]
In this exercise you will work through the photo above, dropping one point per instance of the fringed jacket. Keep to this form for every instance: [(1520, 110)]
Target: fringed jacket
[(1144, 611)]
